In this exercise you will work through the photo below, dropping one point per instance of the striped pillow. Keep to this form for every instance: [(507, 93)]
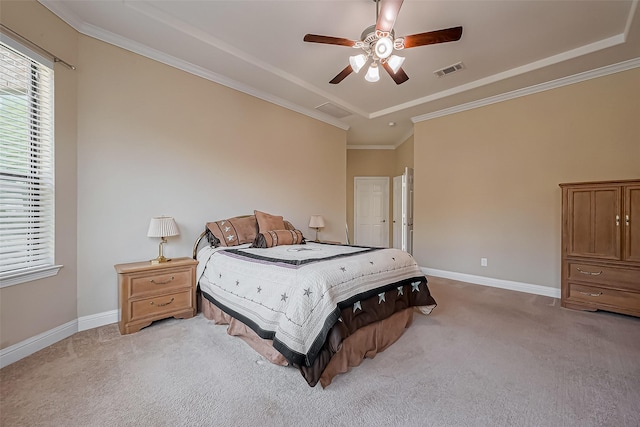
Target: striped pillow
[(269, 239)]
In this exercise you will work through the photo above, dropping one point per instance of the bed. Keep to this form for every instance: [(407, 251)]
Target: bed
[(321, 308)]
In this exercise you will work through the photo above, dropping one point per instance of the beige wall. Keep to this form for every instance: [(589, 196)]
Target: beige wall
[(486, 180), (385, 163), (31, 308), (153, 140), (404, 156)]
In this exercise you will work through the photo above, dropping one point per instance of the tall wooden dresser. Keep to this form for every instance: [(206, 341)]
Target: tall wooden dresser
[(601, 246)]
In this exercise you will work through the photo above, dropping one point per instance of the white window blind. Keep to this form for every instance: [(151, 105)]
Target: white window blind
[(26, 166)]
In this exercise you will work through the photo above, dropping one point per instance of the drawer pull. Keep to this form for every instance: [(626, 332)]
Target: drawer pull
[(162, 283), (590, 273), (161, 305), (589, 294)]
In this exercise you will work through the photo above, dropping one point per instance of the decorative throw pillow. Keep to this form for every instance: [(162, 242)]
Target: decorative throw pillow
[(234, 231), (269, 239), (213, 240), (267, 222)]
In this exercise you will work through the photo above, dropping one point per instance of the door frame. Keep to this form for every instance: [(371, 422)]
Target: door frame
[(396, 229)]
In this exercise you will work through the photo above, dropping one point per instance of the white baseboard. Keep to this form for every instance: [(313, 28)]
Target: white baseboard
[(31, 345), (95, 320), (496, 283)]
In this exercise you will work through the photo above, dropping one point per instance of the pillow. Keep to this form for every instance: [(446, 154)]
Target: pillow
[(213, 240), (269, 239), (234, 231), (267, 222)]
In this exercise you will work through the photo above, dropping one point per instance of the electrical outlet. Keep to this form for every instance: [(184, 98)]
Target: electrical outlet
[(483, 262)]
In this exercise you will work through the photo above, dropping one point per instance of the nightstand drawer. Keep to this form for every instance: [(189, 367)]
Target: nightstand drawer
[(159, 306), (147, 284)]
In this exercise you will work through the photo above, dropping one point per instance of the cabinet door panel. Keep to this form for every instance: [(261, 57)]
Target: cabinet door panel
[(631, 223), (593, 222)]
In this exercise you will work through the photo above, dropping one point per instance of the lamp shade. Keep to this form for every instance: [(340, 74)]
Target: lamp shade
[(372, 75), (357, 62), (316, 221), (163, 226), (395, 62)]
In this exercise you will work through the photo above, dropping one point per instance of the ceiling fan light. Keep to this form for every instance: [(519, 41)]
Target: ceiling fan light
[(384, 47), (395, 62), (373, 75), (357, 62)]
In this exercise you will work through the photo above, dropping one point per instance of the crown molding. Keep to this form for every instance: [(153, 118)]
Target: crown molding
[(555, 59), (554, 84), (157, 14), (188, 67), (371, 147), (143, 50), (404, 138), (171, 21)]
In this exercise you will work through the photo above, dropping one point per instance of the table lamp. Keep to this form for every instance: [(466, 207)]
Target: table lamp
[(317, 222), (162, 226)]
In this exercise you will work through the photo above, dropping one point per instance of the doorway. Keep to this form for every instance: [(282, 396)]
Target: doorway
[(371, 211)]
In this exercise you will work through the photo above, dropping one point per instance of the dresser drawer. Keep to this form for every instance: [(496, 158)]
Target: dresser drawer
[(603, 297), (149, 284), (618, 277), (160, 306)]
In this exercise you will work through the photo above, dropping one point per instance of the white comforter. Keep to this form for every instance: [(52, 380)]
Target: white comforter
[(291, 293)]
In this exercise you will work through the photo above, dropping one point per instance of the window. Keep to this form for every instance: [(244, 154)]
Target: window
[(26, 166)]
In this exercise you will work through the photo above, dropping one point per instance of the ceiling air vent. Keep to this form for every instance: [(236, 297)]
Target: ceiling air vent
[(333, 110), (450, 69)]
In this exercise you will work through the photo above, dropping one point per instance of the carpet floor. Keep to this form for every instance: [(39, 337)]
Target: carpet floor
[(484, 357)]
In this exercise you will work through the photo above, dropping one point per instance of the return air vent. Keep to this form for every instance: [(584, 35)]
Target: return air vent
[(333, 110), (450, 69)]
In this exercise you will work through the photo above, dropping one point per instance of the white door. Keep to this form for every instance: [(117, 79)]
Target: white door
[(397, 212), (407, 210), (371, 209)]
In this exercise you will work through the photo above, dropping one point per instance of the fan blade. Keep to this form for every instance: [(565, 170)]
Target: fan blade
[(399, 77), (389, 10), (433, 37), (313, 38), (341, 75)]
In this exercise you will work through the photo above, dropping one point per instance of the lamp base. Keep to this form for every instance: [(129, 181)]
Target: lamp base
[(161, 257)]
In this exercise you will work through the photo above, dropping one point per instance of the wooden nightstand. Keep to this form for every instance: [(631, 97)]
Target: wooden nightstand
[(152, 292)]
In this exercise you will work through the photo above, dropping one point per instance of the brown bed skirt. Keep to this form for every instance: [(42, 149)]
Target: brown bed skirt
[(365, 342)]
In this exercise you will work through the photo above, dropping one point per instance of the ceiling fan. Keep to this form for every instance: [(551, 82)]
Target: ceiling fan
[(377, 42)]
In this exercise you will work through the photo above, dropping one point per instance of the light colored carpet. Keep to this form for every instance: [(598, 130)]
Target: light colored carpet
[(484, 357)]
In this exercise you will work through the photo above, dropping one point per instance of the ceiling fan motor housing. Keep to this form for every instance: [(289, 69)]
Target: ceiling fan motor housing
[(369, 43)]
